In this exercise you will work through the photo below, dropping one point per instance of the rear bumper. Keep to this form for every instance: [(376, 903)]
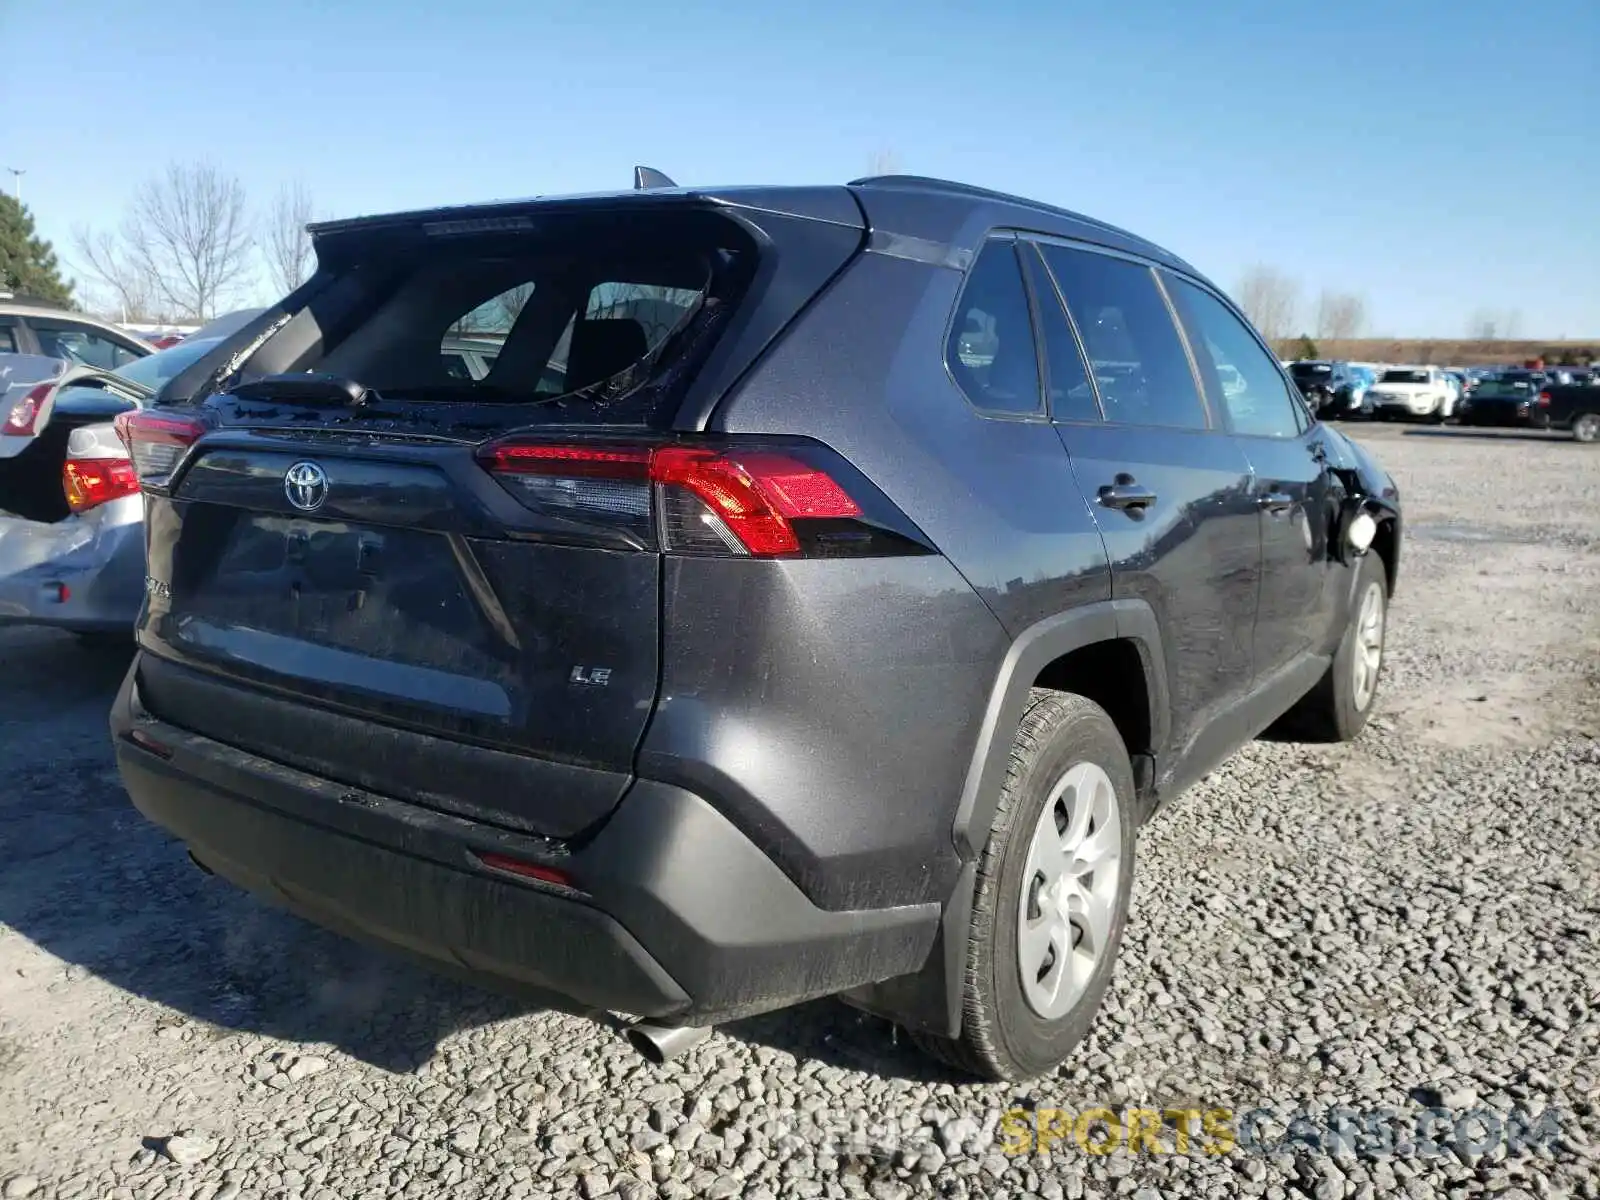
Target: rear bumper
[(83, 573), (675, 913)]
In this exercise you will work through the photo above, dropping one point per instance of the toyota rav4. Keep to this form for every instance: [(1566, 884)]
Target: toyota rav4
[(815, 594)]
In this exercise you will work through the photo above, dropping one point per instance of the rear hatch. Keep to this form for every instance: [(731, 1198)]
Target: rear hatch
[(401, 529)]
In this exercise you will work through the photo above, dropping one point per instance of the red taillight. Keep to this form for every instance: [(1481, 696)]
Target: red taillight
[(20, 420), (1544, 399), (156, 441), (710, 501), (594, 462), (528, 870), (90, 482), (753, 497)]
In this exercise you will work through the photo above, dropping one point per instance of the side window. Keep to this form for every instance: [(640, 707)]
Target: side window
[(8, 338), (81, 344), (1068, 386), (1138, 359), (1235, 367), (991, 350)]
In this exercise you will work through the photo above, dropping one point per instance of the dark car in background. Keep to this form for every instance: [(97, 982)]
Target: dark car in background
[(1504, 398), (1333, 389), (1574, 407), (742, 635)]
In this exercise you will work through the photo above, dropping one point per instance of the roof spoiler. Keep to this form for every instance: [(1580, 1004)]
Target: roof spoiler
[(649, 177)]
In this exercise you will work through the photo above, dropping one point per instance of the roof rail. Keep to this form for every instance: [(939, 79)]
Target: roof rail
[(931, 184)]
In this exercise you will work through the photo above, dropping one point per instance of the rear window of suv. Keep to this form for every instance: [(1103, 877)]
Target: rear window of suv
[(586, 309)]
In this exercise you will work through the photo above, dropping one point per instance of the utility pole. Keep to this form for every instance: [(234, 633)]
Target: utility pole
[(16, 174)]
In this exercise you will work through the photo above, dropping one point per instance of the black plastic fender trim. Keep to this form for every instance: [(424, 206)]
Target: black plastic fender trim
[(930, 999)]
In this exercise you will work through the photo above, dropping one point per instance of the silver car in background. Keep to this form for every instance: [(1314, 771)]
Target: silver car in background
[(71, 516)]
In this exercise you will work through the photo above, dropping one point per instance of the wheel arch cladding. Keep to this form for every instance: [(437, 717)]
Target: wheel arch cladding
[(930, 999)]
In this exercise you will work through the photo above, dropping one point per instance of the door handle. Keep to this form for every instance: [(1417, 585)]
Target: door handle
[(1126, 494), (1275, 501)]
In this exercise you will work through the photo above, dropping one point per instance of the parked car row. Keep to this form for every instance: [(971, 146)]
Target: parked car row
[(1349, 390)]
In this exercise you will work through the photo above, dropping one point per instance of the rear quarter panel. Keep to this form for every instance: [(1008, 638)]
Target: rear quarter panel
[(841, 701)]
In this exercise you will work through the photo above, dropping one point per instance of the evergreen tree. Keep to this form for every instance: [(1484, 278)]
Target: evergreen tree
[(28, 264), (1307, 348)]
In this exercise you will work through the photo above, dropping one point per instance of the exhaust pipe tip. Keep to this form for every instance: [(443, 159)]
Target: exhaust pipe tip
[(658, 1043)]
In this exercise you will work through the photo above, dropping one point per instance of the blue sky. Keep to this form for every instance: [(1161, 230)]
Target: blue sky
[(1437, 156)]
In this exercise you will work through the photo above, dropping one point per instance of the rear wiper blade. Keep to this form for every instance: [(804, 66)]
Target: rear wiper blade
[(306, 388)]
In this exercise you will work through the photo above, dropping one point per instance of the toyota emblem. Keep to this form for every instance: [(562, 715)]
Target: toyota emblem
[(306, 486)]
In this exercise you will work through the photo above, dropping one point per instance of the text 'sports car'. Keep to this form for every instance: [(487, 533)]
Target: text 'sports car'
[(815, 595)]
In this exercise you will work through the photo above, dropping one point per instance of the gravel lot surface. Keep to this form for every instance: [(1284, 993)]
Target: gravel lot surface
[(1407, 922)]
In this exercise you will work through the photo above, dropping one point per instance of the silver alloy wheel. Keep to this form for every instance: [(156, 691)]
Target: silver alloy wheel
[(1069, 890), (1587, 428), (1369, 646)]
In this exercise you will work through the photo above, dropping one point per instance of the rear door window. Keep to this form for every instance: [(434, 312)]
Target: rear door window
[(991, 351), (82, 344), (1139, 362), (1237, 372), (8, 338)]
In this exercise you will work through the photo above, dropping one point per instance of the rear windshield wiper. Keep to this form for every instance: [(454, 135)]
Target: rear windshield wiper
[(321, 391)]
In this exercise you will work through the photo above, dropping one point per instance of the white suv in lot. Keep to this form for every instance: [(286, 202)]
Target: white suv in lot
[(1413, 392)]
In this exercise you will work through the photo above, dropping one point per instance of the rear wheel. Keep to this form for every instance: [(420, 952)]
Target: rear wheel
[(1052, 894), (1336, 710), (1586, 427)]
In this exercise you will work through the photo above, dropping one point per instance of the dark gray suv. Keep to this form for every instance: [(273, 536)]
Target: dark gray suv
[(814, 597)]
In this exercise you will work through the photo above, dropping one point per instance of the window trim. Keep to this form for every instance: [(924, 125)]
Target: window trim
[(1304, 421), (1077, 341), (1043, 239), (1041, 414)]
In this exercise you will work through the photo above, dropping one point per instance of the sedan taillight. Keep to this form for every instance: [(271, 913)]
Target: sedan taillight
[(24, 413), (96, 470)]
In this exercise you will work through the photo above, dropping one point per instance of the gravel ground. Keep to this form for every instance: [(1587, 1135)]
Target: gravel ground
[(1411, 921)]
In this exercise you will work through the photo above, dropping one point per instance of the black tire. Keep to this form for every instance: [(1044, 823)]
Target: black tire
[(1586, 427), (1001, 1036), (1330, 712)]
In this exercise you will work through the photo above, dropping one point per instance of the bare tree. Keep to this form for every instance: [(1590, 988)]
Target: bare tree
[(1270, 299), (1483, 325), (127, 292), (188, 231), (285, 242), (1494, 325), (1340, 315)]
